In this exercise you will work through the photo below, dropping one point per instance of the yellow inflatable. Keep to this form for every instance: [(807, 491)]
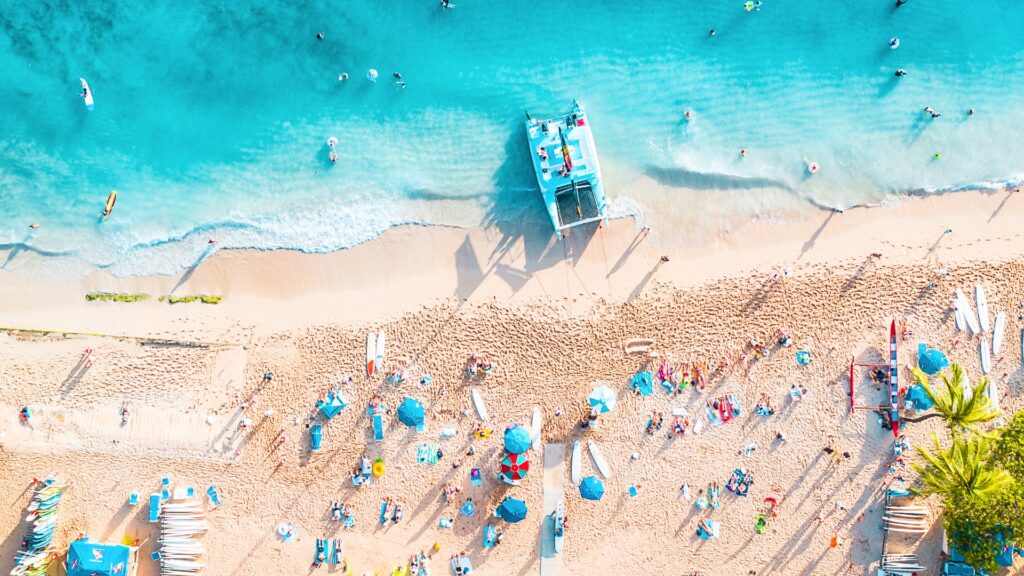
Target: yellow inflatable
[(378, 468)]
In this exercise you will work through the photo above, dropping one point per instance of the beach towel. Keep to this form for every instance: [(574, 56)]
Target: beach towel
[(426, 453), (315, 437), (713, 417), (642, 383), (383, 513), (713, 497), (474, 477), (350, 521), (734, 405), (214, 496), (378, 427), (489, 535), (760, 523), (734, 481), (462, 565)]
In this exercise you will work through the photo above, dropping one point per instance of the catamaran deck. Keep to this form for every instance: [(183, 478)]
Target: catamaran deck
[(572, 190)]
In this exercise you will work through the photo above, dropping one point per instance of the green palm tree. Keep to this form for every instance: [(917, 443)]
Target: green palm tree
[(957, 409), (963, 469)]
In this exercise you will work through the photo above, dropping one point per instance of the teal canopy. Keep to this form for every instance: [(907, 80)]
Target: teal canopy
[(87, 558), (410, 412)]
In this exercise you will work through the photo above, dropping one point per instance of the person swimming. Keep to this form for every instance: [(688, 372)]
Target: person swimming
[(894, 42), (901, 72)]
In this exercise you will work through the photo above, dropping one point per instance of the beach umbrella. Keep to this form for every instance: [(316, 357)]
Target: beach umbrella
[(511, 510), (932, 361), (514, 466), (603, 398), (517, 439), (410, 412), (591, 488)]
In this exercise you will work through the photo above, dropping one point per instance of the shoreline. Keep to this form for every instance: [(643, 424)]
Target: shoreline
[(508, 262)]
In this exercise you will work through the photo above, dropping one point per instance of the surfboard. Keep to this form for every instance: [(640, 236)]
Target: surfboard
[(576, 466), (86, 94), (997, 332), (968, 312), (378, 363), (371, 353), (992, 391), (698, 426), (478, 402), (535, 432), (986, 359), (109, 206), (599, 462), (979, 296), (958, 316)]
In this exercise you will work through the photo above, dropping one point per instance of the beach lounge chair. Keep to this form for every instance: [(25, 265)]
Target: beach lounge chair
[(383, 513), (378, 427), (316, 435), (320, 555), (154, 507), (133, 498), (489, 535), (461, 565), (950, 568), (350, 521), (214, 496), (165, 481), (335, 550)]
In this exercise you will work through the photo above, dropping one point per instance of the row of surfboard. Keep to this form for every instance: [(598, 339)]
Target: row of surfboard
[(576, 466), (375, 344), (963, 316)]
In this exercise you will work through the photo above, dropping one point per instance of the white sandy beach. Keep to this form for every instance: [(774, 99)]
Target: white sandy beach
[(555, 318)]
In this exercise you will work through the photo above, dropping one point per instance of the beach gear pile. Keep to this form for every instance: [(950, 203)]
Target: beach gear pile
[(182, 526), (37, 547)]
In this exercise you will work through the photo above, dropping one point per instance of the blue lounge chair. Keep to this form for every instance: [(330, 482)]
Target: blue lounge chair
[(378, 427), (214, 496), (383, 513), (320, 555), (154, 507), (316, 436), (165, 481), (950, 568), (165, 494), (133, 498), (350, 521), (489, 535)]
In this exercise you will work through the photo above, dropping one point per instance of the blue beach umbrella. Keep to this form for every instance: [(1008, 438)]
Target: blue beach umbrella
[(591, 488), (603, 398), (511, 510), (410, 412), (517, 440), (932, 361)]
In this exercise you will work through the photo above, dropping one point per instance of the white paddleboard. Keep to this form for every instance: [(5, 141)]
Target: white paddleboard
[(371, 353), (681, 411), (997, 332), (478, 403), (577, 463), (599, 462), (535, 432), (993, 394), (958, 316), (968, 312), (979, 295), (379, 359), (86, 94), (986, 358), (698, 426)]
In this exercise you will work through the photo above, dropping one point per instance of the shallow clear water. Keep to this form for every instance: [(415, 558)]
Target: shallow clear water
[(212, 121)]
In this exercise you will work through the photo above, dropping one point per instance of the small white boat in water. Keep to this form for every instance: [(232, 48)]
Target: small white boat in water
[(86, 94)]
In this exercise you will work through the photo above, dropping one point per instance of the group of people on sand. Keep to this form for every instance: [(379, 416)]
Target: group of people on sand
[(341, 512), (678, 378), (479, 362), (391, 512)]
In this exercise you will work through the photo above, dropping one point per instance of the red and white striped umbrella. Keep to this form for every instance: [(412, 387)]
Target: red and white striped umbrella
[(515, 466)]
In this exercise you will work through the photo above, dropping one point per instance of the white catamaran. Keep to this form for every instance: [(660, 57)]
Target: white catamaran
[(568, 172)]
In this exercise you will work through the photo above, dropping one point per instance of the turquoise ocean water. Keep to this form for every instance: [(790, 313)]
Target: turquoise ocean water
[(211, 119)]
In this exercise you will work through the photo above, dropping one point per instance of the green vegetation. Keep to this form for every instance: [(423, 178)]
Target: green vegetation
[(980, 476), (108, 297), (189, 299), (959, 411)]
